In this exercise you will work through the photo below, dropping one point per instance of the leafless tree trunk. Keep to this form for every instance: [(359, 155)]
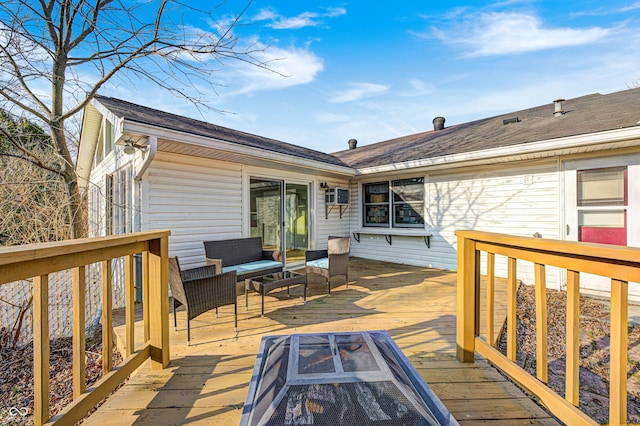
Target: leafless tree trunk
[(73, 47)]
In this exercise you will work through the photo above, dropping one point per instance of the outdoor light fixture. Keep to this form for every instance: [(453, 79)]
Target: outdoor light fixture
[(324, 185), (130, 147)]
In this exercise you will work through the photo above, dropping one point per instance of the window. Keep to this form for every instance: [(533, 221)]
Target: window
[(403, 197), (119, 202), (602, 201)]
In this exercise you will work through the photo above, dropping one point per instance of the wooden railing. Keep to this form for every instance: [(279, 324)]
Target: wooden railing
[(621, 264), (39, 260)]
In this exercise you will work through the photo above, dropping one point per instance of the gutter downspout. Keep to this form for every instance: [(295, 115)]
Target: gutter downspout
[(152, 149)]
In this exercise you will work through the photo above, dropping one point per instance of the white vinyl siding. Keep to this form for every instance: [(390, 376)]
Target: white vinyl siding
[(521, 200), (331, 224), (197, 199)]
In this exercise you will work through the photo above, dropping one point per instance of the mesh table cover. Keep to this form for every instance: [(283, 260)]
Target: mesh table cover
[(356, 378)]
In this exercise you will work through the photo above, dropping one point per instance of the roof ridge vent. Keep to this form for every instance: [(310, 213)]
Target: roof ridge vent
[(558, 107), (438, 123), (511, 120)]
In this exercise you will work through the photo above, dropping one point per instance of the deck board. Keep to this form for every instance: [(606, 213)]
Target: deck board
[(207, 382)]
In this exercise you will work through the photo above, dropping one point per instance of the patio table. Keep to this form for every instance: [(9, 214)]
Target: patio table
[(266, 283), (351, 378)]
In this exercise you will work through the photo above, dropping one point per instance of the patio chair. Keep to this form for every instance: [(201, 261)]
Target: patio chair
[(200, 290), (331, 262)]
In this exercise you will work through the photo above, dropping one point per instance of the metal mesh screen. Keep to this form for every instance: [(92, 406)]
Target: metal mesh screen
[(373, 403)]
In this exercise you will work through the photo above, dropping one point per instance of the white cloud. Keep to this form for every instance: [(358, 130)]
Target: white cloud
[(494, 34), (304, 19), (357, 91), (286, 67)]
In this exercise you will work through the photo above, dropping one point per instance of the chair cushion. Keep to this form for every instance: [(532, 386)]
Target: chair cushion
[(252, 266), (319, 263)]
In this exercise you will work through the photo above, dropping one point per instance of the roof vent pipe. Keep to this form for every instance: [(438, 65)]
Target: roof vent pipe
[(352, 143), (438, 123), (558, 107)]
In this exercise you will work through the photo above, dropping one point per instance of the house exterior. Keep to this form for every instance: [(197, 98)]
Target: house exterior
[(568, 170)]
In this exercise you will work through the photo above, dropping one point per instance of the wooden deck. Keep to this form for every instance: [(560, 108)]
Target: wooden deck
[(207, 382)]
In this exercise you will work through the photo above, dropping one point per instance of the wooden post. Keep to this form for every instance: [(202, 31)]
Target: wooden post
[(107, 314), (618, 350), (542, 362), (466, 303), (130, 321), (40, 349), (511, 308), (159, 302), (79, 333), (490, 310), (572, 384)]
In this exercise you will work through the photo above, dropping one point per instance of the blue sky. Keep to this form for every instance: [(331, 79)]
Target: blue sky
[(378, 70)]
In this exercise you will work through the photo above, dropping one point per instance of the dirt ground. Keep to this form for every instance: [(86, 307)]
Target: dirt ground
[(16, 376), (594, 351)]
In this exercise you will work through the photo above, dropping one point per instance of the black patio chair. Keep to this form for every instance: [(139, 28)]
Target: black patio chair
[(200, 290)]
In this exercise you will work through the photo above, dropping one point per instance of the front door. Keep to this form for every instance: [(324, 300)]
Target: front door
[(279, 213)]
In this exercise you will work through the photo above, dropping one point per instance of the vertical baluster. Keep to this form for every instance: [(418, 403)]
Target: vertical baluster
[(511, 308), (129, 306), (542, 362), (145, 294), (41, 349), (107, 304), (572, 385), (79, 338), (618, 350), (491, 279)]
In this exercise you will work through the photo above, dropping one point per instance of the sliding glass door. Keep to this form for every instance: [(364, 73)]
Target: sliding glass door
[(296, 221), (280, 215)]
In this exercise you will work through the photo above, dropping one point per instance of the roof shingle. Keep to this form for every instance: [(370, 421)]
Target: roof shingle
[(586, 114)]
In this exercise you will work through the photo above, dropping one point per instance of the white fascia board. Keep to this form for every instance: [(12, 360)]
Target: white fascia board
[(550, 147), (217, 144)]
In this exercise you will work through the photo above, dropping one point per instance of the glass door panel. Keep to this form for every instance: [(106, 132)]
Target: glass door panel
[(296, 221), (266, 212)]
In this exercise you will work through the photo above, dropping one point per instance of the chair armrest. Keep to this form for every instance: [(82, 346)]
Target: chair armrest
[(272, 255), (315, 254), (214, 262)]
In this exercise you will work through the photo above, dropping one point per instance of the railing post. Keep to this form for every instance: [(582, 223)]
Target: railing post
[(159, 302), (466, 303)]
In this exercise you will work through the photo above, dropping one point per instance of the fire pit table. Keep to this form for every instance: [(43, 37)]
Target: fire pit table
[(354, 378)]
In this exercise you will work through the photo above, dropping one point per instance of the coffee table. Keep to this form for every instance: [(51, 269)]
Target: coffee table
[(266, 283)]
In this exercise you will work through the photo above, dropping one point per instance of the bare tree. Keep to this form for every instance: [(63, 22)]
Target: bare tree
[(55, 55)]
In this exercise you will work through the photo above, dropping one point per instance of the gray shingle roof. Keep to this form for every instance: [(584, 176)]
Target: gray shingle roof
[(140, 114), (583, 115)]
